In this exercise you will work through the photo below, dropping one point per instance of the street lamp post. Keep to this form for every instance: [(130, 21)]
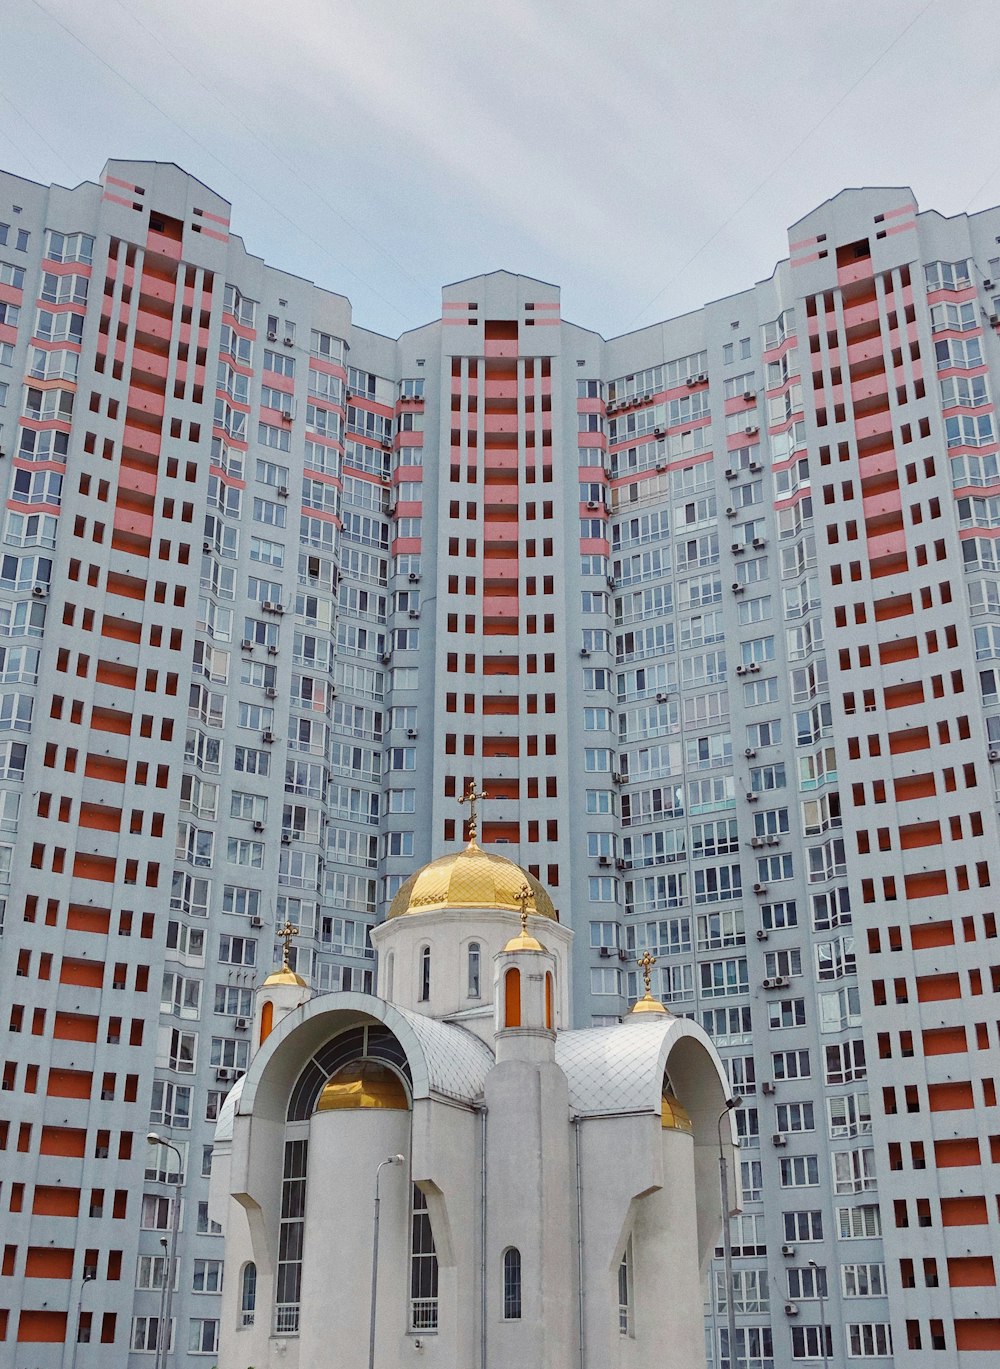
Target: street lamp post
[(167, 1291), (87, 1278), (727, 1235), (820, 1279), (392, 1160)]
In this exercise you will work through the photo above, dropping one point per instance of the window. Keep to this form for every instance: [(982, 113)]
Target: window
[(474, 959), (869, 1340), (290, 1238), (512, 1284), (802, 1226), (799, 1171), (424, 1267), (248, 1294), (425, 974), (625, 1291)]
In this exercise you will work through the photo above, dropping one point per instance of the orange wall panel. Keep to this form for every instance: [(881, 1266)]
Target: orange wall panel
[(960, 1150), (972, 1271), (63, 1141), (979, 1333), (965, 1211), (950, 1097), (71, 1026), (944, 1040), (49, 1262), (88, 866), (106, 768), (926, 884), (41, 1326), (935, 988), (69, 1083), (81, 918), (88, 973), (932, 933), (55, 1202)]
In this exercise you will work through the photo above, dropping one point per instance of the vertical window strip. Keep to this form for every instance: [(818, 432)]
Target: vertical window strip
[(423, 1267), (290, 1239)]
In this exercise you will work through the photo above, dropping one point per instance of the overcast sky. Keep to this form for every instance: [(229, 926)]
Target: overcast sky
[(646, 157)]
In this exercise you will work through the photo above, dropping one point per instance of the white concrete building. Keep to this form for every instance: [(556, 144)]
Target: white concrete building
[(548, 1197)]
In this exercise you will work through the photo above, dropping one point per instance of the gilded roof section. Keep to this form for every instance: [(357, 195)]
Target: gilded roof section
[(470, 878)]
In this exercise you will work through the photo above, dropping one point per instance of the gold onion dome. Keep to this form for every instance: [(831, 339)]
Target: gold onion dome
[(673, 1114), (649, 1004), (285, 976), (363, 1084), (471, 878)]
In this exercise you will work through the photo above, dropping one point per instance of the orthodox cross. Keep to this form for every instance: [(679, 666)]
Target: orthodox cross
[(472, 799), (286, 935), (524, 896), (646, 963)]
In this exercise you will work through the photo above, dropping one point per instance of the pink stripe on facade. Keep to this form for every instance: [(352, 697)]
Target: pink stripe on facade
[(211, 233), (803, 261), (547, 322), (126, 185), (216, 218), (903, 209), (900, 228), (117, 199)]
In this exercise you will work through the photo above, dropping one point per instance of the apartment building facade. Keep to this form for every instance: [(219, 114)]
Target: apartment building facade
[(708, 611)]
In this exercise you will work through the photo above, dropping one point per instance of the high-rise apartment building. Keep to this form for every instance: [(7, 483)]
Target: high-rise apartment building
[(712, 613)]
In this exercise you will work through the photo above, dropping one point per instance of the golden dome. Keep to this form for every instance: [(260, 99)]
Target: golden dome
[(287, 977), (524, 941), (673, 1114), (363, 1084), (470, 878), (648, 1004)]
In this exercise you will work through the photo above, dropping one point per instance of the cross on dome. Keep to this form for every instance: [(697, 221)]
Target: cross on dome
[(472, 799), (287, 934)]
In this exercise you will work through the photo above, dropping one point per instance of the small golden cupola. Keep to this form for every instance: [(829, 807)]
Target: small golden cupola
[(281, 992), (647, 1003), (363, 1084)]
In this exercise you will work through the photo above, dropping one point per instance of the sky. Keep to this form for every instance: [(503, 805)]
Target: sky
[(647, 157)]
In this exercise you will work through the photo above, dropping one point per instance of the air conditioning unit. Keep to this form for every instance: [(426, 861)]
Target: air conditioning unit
[(411, 732), (778, 1139), (738, 588), (289, 342), (413, 578), (779, 981), (662, 698), (39, 591), (788, 1251), (730, 512), (759, 543), (661, 466), (749, 752), (987, 285), (605, 952), (604, 860), (767, 1087), (272, 650), (741, 670), (387, 444), (657, 432), (752, 798), (731, 475), (755, 467), (994, 755), (268, 606), (994, 320), (753, 667), (751, 430), (611, 582), (591, 503), (762, 934), (584, 651), (258, 827), (760, 888), (270, 692), (692, 381), (223, 1076), (617, 777), (620, 864), (702, 378), (256, 921), (247, 644), (242, 1024), (791, 1309), (206, 546), (756, 842), (737, 548), (774, 841), (386, 657), (286, 838), (282, 491), (749, 394), (272, 337), (268, 736)]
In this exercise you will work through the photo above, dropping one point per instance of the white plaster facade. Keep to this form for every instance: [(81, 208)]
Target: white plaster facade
[(528, 1137)]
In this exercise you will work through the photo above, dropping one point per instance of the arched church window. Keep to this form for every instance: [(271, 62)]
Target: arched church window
[(512, 1284), (474, 962), (548, 1002), (512, 998), (625, 1290), (266, 1021), (390, 966), (423, 1267), (248, 1294), (425, 974)]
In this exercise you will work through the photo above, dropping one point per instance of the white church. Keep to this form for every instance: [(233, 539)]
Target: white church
[(443, 1174)]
